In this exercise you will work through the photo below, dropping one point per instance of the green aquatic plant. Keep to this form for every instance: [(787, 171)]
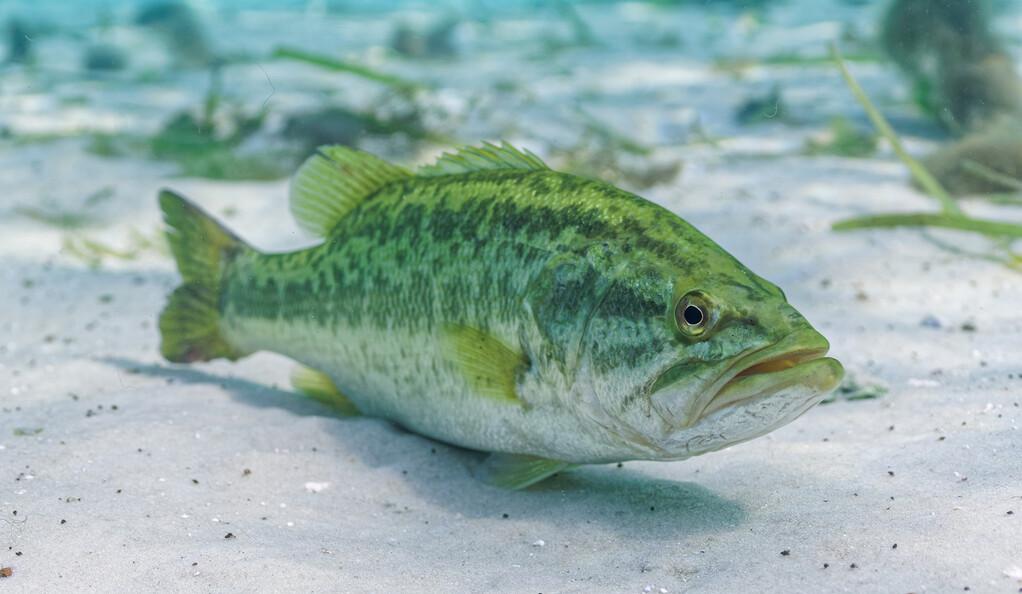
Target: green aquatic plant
[(950, 216), (211, 140), (63, 217), (104, 144), (395, 114), (605, 154), (843, 139), (341, 125), (93, 252), (610, 137), (203, 149), (181, 30), (600, 162), (737, 66), (205, 142), (993, 176), (960, 72), (337, 65)]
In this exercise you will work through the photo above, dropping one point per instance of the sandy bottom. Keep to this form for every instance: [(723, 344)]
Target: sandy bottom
[(121, 472)]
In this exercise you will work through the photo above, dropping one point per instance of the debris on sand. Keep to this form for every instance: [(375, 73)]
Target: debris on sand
[(852, 389), (762, 108), (104, 58), (436, 41), (314, 487)]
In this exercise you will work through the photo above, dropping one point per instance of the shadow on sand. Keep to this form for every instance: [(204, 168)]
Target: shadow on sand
[(631, 503)]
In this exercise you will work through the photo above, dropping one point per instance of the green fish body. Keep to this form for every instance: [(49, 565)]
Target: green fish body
[(492, 303)]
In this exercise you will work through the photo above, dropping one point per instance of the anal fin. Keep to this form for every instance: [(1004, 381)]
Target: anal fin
[(318, 386), (518, 471)]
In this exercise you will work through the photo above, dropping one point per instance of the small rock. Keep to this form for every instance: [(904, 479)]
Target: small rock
[(314, 487)]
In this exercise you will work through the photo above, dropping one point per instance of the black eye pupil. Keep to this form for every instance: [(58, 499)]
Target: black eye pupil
[(693, 315)]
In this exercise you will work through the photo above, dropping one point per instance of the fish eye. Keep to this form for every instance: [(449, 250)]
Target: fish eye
[(693, 314)]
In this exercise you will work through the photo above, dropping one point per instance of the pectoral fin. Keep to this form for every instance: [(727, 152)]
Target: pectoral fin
[(489, 365), (318, 386), (517, 471)]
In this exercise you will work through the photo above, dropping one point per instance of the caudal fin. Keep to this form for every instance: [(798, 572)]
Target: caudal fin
[(190, 322)]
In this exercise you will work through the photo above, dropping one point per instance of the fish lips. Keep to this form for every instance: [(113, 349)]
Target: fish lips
[(818, 375), (797, 360)]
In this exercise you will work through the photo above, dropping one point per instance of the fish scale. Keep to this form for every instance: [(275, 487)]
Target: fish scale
[(492, 303)]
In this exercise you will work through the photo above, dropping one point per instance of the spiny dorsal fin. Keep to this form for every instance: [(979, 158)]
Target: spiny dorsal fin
[(318, 386), (488, 365), (332, 182), (486, 157)]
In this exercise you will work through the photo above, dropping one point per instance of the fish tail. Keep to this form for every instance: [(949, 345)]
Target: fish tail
[(190, 322)]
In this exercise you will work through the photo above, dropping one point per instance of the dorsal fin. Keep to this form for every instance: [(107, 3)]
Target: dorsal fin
[(332, 182), (486, 157)]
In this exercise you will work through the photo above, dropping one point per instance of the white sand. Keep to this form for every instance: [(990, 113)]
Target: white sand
[(144, 496)]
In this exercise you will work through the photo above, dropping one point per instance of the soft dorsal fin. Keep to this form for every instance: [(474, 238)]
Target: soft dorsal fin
[(332, 182), (486, 157)]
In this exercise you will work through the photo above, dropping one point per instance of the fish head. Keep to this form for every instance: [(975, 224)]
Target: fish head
[(687, 360)]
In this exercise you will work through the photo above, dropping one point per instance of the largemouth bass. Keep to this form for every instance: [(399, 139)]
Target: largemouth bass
[(490, 302)]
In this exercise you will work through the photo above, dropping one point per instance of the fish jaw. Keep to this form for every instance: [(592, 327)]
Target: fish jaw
[(761, 391), (684, 395), (788, 395), (818, 375)]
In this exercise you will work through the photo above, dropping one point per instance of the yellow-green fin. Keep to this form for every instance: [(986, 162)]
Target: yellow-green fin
[(332, 182), (518, 471), (190, 322), (486, 157), (318, 386), (487, 364)]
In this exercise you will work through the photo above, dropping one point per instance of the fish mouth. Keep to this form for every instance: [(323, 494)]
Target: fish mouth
[(796, 360), (766, 373)]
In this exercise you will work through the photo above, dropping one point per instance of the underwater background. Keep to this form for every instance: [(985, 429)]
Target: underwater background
[(891, 218)]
